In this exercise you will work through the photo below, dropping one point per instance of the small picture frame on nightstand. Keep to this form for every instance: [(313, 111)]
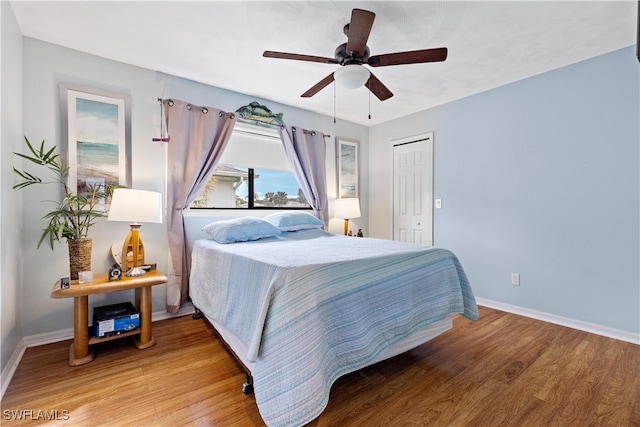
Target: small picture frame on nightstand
[(115, 273)]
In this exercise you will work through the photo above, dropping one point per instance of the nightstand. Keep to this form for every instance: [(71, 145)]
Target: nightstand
[(80, 351)]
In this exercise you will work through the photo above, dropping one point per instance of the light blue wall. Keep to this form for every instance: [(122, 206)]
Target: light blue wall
[(539, 177), (10, 201)]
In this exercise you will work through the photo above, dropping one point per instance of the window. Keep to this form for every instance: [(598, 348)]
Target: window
[(253, 163)]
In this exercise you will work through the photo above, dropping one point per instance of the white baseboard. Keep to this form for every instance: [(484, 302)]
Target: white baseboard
[(65, 334), (11, 367), (563, 321)]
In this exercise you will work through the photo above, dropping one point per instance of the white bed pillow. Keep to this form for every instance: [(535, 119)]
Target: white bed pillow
[(293, 221), (240, 229)]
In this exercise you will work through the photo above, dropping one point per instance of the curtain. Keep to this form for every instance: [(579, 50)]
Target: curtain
[(306, 151), (198, 137)]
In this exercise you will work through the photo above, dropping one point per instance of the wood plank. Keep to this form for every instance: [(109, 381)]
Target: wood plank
[(503, 370)]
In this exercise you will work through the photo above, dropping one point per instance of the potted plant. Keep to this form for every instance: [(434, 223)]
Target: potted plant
[(72, 217)]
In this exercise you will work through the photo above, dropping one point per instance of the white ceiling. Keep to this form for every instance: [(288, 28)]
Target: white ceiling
[(220, 43)]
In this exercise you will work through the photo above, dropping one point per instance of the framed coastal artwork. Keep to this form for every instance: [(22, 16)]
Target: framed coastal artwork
[(96, 137), (347, 167)]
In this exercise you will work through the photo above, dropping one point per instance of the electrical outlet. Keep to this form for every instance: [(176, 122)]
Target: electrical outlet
[(515, 279), (438, 203)]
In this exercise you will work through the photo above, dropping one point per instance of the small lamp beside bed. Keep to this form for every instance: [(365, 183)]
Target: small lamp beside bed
[(134, 207), (347, 209)]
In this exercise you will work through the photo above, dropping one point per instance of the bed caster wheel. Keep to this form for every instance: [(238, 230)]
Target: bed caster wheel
[(197, 315), (247, 388)]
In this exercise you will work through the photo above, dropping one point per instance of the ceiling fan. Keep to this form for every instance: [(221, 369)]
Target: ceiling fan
[(353, 54)]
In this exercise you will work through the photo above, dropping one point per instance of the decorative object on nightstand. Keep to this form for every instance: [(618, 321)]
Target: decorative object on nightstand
[(347, 209), (135, 207), (115, 272)]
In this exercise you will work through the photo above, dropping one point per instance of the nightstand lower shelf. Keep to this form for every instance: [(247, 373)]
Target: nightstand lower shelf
[(95, 340)]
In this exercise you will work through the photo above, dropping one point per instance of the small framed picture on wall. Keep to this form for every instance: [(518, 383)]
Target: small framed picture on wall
[(347, 167)]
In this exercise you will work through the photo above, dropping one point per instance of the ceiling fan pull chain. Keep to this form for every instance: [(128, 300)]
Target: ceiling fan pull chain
[(369, 87), (334, 102), (369, 84)]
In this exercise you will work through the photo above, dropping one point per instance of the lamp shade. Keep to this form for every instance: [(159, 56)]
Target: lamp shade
[(351, 76), (135, 206), (347, 208)]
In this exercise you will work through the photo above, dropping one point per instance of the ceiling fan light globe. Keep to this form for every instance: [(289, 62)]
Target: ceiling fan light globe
[(351, 76)]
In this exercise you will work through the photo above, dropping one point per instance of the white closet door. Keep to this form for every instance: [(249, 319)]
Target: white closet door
[(413, 190)]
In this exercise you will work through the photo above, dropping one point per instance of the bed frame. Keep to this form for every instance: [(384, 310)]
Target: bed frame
[(414, 341), (247, 387)]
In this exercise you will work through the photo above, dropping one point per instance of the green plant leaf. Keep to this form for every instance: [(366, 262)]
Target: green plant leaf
[(76, 213)]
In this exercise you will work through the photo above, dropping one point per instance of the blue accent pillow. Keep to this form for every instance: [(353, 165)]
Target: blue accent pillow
[(293, 221), (240, 230)]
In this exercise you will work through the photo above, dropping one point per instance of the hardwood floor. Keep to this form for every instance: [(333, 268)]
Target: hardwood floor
[(503, 370)]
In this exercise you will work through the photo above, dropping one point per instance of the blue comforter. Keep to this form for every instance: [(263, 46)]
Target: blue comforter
[(311, 306)]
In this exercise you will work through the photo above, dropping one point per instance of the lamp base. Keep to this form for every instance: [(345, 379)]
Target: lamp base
[(132, 250), (346, 226)]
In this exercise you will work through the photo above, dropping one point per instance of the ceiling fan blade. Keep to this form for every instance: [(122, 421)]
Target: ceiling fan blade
[(359, 29), (318, 86), (409, 57), (377, 88), (298, 57)]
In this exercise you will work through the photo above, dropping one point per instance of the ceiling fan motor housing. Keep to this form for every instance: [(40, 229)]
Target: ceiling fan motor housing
[(345, 58)]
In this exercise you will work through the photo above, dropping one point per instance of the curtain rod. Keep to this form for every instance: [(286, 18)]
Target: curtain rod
[(265, 124), (251, 122), (258, 123)]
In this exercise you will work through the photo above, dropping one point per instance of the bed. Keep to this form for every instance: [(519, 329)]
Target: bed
[(301, 307)]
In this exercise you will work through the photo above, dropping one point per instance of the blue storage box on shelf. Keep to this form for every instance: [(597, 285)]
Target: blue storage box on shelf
[(115, 319)]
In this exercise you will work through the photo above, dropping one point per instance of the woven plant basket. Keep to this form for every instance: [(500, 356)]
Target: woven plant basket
[(79, 256)]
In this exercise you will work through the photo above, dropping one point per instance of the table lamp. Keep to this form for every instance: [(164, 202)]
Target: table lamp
[(134, 207), (348, 209)]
